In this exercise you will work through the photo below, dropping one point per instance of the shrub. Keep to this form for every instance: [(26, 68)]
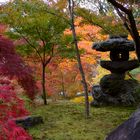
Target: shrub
[(11, 107), (81, 99)]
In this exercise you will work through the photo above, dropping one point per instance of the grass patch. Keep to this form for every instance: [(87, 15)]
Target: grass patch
[(65, 121)]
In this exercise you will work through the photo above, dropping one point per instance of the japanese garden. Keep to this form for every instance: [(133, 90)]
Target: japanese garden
[(69, 70)]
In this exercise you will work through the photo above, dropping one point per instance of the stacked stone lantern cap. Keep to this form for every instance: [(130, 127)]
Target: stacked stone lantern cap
[(119, 47)]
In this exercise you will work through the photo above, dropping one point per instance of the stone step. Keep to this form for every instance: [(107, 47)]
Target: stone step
[(28, 121)]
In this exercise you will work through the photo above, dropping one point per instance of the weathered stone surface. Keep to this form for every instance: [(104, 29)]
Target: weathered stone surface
[(118, 36), (119, 67), (115, 86), (114, 44), (102, 99), (129, 130), (28, 121), (119, 55), (111, 84)]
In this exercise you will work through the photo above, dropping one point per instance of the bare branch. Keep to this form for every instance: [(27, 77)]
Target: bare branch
[(40, 36), (118, 5), (125, 20), (29, 43)]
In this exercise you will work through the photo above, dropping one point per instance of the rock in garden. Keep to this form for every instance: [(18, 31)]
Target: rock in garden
[(28, 121), (129, 130)]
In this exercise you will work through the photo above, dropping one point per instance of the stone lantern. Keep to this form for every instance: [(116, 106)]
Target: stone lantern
[(113, 88)]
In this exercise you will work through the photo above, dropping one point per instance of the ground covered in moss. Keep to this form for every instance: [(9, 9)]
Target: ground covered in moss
[(65, 121)]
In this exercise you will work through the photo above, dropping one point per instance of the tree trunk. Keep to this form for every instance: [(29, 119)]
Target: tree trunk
[(135, 34), (63, 85), (43, 84), (71, 8)]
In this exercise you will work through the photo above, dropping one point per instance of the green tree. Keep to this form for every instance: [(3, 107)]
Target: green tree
[(36, 23), (109, 23)]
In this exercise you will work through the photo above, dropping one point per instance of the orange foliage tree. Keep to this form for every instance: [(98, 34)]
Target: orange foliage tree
[(62, 75)]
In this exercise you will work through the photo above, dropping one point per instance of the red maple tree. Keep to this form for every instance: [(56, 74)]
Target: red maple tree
[(13, 66), (11, 107)]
